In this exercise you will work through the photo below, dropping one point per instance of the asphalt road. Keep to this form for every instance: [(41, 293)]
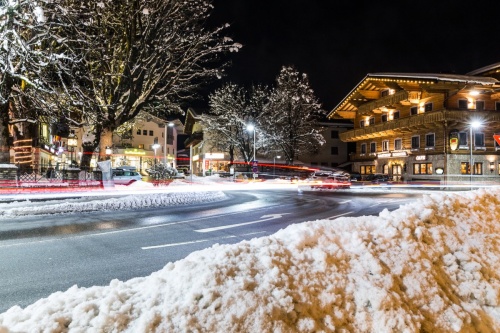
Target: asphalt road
[(42, 255)]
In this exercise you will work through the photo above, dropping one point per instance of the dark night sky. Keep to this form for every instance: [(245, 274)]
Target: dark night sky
[(338, 42)]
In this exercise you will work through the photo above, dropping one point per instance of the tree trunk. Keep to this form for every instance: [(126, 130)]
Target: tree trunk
[(4, 134), (106, 140)]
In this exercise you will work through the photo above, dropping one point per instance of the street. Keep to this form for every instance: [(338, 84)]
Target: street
[(42, 255)]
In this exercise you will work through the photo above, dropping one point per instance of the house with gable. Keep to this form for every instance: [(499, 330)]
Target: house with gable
[(425, 126)]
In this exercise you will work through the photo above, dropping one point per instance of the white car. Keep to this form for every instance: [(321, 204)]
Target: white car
[(125, 176)]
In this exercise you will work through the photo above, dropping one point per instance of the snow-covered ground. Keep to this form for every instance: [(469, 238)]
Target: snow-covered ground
[(429, 266)]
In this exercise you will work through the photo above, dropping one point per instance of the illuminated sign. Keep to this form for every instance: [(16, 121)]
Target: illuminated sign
[(392, 154), (420, 157), (134, 152), (214, 156), (196, 157)]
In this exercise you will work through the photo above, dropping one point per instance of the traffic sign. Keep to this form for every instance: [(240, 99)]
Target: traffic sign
[(254, 166), (497, 138)]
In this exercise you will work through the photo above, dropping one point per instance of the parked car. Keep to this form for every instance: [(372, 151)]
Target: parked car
[(355, 177), (377, 178), (125, 176), (333, 181)]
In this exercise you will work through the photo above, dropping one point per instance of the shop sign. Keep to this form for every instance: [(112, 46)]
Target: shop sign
[(134, 151), (214, 156), (420, 157), (392, 154)]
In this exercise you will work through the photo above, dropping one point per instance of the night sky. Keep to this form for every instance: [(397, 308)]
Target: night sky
[(338, 42)]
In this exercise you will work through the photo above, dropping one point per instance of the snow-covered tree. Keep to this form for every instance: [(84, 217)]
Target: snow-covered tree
[(232, 109), (33, 67), (291, 118), (142, 55)]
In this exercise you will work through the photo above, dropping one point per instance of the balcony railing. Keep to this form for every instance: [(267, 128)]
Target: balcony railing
[(413, 123)]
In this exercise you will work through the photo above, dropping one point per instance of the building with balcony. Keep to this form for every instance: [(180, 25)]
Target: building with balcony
[(425, 126)]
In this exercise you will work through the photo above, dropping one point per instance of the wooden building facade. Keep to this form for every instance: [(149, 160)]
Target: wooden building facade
[(419, 127)]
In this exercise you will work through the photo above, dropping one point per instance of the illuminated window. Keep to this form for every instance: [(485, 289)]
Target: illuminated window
[(422, 168), (367, 169)]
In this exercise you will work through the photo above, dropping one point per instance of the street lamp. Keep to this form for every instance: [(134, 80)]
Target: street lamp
[(274, 163), (72, 143), (169, 124), (251, 128), (473, 125)]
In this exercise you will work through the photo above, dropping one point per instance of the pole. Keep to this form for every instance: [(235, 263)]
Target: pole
[(254, 144), (470, 162), (165, 145), (191, 162), (274, 165)]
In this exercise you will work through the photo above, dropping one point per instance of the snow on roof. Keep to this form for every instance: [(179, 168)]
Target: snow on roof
[(485, 69), (441, 77)]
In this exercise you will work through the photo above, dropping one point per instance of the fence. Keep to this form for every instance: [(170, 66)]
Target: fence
[(48, 176)]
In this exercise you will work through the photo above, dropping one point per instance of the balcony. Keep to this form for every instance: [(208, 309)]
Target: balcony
[(413, 124)]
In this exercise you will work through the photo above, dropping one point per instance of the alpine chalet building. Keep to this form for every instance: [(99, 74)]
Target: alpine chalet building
[(425, 127)]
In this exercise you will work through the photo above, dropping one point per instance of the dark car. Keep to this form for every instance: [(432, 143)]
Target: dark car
[(355, 177), (377, 178)]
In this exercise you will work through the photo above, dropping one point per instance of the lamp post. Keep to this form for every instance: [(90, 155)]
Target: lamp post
[(169, 124), (473, 125), (274, 163), (72, 143), (251, 127)]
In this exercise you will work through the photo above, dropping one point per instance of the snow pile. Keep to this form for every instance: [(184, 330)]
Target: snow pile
[(430, 266), (18, 208)]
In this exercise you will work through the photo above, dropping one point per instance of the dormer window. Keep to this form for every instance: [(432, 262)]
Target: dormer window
[(462, 104)]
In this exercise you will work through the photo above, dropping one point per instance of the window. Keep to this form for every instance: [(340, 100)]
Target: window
[(479, 141), (334, 150), (464, 168), (372, 121), (395, 115), (415, 142), (334, 134), (428, 107), (144, 132), (429, 141), (398, 144), (384, 118), (363, 148), (367, 169), (497, 106), (479, 105), (384, 93), (413, 110), (385, 145), (361, 123), (373, 147), (138, 132), (463, 141), (151, 133), (170, 135), (422, 168), (462, 104)]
